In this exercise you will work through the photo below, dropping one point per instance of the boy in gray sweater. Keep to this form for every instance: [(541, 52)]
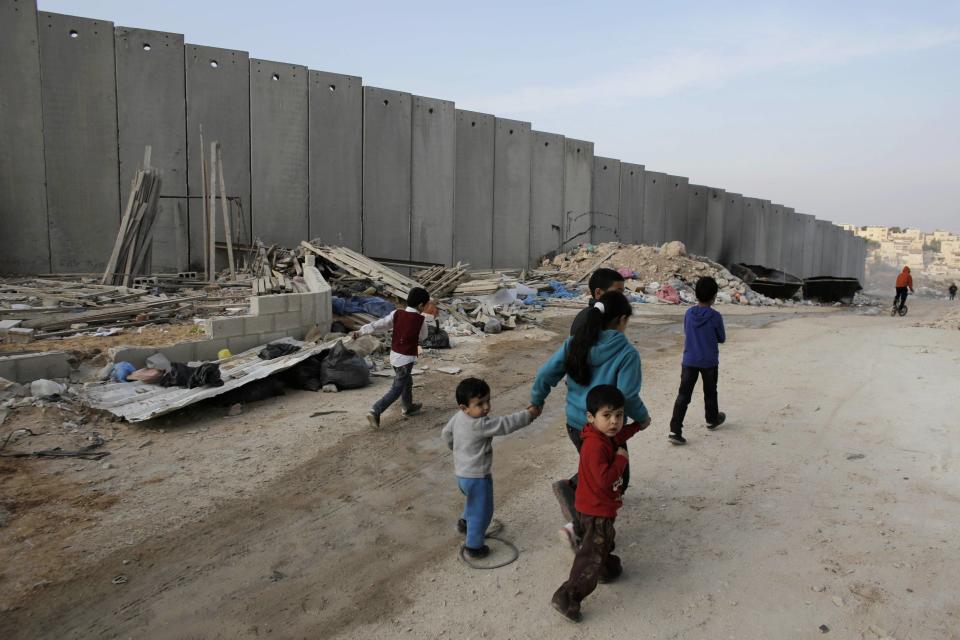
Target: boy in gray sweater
[(470, 434)]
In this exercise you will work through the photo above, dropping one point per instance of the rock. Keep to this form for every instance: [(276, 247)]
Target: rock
[(451, 370), (43, 388), (819, 588), (492, 325), (365, 345), (330, 388), (722, 282), (235, 409), (106, 465), (724, 297), (824, 628), (837, 600), (674, 249), (855, 456)]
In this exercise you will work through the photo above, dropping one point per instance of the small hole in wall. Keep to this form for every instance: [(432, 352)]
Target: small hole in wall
[(214, 64), (676, 185), (654, 181), (74, 34), (275, 77), (578, 150), (430, 110), (146, 46), (546, 144), (473, 124), (511, 131), (604, 167), (386, 103), (631, 173), (332, 87)]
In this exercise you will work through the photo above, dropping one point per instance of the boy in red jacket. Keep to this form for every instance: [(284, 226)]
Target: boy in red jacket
[(603, 459)]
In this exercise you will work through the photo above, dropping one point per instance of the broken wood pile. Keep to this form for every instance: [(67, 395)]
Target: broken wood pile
[(484, 287), (441, 281), (360, 266), (131, 249), (118, 316)]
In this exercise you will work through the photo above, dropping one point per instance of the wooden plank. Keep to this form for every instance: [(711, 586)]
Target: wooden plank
[(224, 206)]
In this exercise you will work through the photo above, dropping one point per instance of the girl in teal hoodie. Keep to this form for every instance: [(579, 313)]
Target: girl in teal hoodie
[(598, 353)]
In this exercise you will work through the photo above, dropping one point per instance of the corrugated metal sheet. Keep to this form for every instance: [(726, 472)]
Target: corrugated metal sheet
[(136, 401)]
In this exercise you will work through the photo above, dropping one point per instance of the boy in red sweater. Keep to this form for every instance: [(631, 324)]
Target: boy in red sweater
[(603, 459)]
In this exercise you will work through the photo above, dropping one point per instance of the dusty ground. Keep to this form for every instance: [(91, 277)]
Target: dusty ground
[(283, 523)]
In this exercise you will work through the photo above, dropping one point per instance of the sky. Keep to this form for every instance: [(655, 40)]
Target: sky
[(846, 110)]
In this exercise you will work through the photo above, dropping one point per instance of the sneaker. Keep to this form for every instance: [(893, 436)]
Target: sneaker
[(480, 552), (721, 418), (462, 526), (565, 494), (373, 420), (413, 410), (676, 438), (569, 537)]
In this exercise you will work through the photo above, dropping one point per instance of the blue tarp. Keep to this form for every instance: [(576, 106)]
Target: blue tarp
[(362, 304), (559, 291)]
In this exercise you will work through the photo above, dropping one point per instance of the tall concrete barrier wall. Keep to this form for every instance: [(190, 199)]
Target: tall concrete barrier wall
[(631, 202), (314, 154), (605, 196), (546, 193), (434, 148), (511, 193), (24, 244)]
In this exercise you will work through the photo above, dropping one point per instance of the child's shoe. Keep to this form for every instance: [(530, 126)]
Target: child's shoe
[(569, 610), (676, 438), (461, 526), (611, 570), (480, 552), (721, 418), (413, 410), (373, 420), (565, 494), (569, 537)]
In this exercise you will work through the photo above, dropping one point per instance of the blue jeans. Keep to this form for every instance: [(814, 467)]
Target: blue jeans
[(478, 510), (402, 387)]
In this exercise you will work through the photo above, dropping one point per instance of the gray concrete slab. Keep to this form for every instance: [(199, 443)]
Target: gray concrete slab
[(631, 202), (151, 110), (473, 197), (836, 251), (764, 233), (546, 193), (753, 223), (775, 237), (577, 187), (387, 134), (279, 134), (336, 158), (80, 140), (716, 212), (433, 178), (605, 199), (511, 193), (654, 208), (695, 236), (819, 248), (675, 208), (733, 236), (808, 233), (792, 242), (218, 101), (24, 245)]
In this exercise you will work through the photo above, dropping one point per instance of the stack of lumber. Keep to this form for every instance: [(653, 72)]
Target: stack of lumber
[(441, 281), (132, 246), (120, 315), (277, 283), (484, 287), (361, 266)]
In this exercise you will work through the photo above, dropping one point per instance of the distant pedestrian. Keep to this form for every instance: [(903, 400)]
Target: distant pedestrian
[(904, 282), (953, 291), (469, 434), (703, 332), (409, 328), (601, 281)]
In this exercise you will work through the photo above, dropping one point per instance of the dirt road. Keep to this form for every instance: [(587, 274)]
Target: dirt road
[(829, 498)]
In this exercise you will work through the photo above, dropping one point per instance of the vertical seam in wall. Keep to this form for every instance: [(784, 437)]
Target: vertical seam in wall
[(363, 163), (43, 150), (493, 197), (116, 120)]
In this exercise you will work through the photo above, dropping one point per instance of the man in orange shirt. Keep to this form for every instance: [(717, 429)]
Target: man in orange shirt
[(904, 281)]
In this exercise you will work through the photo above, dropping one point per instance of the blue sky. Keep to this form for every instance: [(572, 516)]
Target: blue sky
[(846, 110)]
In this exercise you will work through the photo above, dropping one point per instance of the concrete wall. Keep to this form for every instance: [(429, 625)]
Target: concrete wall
[(695, 235), (605, 199), (511, 193), (808, 231), (654, 207), (732, 248), (716, 213), (577, 191), (473, 200), (434, 158), (23, 197), (631, 202), (546, 193), (675, 208)]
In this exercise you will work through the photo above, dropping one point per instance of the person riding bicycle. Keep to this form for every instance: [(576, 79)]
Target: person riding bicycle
[(904, 281)]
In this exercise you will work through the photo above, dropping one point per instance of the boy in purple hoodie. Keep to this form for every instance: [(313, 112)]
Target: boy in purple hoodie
[(703, 333)]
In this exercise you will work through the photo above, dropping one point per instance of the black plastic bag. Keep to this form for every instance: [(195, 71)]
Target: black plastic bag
[(181, 375), (307, 375), (437, 338), (277, 349), (344, 368)]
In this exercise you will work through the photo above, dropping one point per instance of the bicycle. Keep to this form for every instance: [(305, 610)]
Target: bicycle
[(901, 310)]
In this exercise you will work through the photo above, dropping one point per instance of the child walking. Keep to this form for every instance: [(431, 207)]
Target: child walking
[(409, 328), (470, 433), (603, 460), (703, 333), (601, 281)]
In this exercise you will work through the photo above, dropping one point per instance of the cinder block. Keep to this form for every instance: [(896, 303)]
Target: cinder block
[(266, 305), (255, 325), (42, 365), (227, 327), (137, 356), (293, 301), (286, 321), (8, 368), (270, 337), (242, 343), (6, 325), (182, 352), (206, 325), (207, 350), (308, 308), (324, 315)]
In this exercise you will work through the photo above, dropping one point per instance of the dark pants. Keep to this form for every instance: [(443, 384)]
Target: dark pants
[(688, 380), (594, 563), (574, 435), (901, 297), (402, 387)]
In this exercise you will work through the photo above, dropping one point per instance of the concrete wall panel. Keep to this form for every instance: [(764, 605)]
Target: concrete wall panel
[(80, 140), (24, 244), (775, 236), (387, 134), (675, 209), (473, 203), (151, 110), (808, 232), (763, 245), (751, 227), (654, 207), (819, 248), (733, 236), (577, 187), (792, 242), (279, 134), (605, 199), (218, 101), (695, 236), (336, 158), (716, 212), (631, 202), (434, 174), (511, 193), (546, 193)]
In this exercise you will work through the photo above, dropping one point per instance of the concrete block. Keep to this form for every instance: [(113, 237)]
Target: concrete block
[(208, 349), (227, 327), (20, 335), (286, 321), (577, 192), (6, 325), (511, 194), (266, 305), (240, 344), (8, 368), (605, 199), (266, 338), (473, 195), (336, 158), (137, 356), (546, 198), (308, 308), (254, 325), (52, 364), (294, 301), (182, 352), (631, 202), (434, 149)]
